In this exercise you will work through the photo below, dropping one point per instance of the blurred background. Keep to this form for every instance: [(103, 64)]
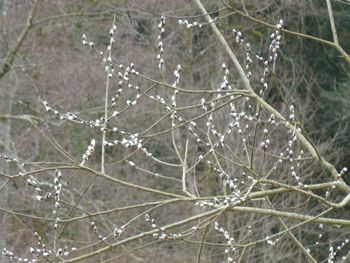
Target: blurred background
[(45, 60)]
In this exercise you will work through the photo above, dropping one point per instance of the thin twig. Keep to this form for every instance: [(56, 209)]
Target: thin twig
[(331, 18)]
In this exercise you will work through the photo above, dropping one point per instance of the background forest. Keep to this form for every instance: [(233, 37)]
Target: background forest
[(182, 142)]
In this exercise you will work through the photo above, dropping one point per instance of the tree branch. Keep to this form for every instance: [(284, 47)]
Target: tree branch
[(11, 54)]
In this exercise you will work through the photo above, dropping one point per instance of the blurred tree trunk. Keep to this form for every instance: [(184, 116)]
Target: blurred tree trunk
[(5, 128), (5, 141)]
